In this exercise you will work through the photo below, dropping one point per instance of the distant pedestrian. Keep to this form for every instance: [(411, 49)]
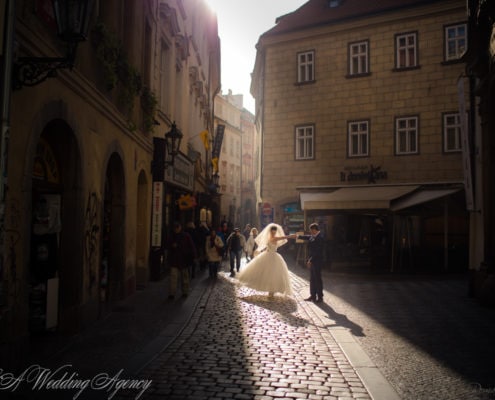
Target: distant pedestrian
[(198, 246), (316, 249), (214, 252), (247, 231), (181, 253), (251, 245), (235, 247), (224, 233), (203, 234)]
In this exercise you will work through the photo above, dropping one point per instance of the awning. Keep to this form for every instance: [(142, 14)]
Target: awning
[(422, 196), (354, 198)]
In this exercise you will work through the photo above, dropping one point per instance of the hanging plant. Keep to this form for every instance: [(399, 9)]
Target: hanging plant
[(130, 83), (118, 72), (107, 51), (149, 105)]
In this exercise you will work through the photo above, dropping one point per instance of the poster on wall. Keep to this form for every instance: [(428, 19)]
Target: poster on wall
[(157, 214)]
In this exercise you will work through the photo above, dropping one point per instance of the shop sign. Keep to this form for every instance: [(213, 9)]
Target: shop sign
[(181, 173), (363, 173), (156, 224)]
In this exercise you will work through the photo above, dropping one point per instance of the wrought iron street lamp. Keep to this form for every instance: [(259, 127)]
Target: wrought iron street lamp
[(72, 18), (172, 143)]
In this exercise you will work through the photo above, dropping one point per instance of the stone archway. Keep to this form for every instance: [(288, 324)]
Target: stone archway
[(55, 265)]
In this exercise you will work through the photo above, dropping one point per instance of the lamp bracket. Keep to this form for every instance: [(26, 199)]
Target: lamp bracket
[(30, 71)]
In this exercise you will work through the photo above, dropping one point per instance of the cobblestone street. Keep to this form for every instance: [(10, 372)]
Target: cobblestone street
[(429, 339), (247, 346), (375, 336)]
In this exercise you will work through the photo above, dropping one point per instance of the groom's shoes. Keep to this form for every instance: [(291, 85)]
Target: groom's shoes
[(310, 298)]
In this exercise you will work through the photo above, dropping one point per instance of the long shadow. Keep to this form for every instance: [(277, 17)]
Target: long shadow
[(340, 320), (432, 312), (283, 306)]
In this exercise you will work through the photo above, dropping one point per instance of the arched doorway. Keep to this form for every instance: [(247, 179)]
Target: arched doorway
[(55, 263), (113, 239), (142, 231)]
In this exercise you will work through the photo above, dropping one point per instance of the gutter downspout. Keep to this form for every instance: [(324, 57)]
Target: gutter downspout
[(5, 98)]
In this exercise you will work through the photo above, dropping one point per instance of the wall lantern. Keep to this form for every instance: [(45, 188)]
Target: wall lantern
[(72, 18), (172, 143), (213, 186)]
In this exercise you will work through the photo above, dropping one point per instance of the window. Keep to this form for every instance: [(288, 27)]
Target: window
[(358, 58), (451, 132), (305, 67), (406, 135), (164, 77), (455, 41), (406, 53), (358, 136), (305, 142)]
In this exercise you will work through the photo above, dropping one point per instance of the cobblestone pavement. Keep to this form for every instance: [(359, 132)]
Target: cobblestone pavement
[(428, 338), (422, 333), (244, 345)]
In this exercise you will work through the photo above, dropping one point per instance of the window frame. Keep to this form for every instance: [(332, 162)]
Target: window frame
[(399, 36), (360, 135), (306, 138), (397, 132), (458, 138), (300, 64), (351, 58), (458, 56)]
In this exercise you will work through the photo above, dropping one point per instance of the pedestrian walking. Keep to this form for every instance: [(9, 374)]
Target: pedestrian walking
[(214, 252), (224, 233), (316, 249), (251, 245), (198, 246), (180, 255), (235, 247), (203, 234), (268, 271)]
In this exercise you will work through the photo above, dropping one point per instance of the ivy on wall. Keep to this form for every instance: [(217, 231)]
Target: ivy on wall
[(118, 73)]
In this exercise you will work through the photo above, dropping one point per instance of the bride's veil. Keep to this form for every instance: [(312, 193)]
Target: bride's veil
[(264, 236)]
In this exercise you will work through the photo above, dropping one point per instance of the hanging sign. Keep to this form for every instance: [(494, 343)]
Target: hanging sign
[(156, 224)]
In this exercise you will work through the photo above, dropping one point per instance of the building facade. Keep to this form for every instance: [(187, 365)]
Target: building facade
[(228, 113), (358, 108), (250, 154), (78, 184)]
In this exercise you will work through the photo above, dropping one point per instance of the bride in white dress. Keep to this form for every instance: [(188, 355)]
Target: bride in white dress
[(268, 272)]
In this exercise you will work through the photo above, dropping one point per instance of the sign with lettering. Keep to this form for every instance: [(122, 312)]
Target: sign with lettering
[(181, 173), (370, 174), (156, 224)]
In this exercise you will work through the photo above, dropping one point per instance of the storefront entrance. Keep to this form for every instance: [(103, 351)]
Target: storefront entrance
[(55, 265)]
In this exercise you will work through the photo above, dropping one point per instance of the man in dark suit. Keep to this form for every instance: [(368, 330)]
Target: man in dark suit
[(316, 248)]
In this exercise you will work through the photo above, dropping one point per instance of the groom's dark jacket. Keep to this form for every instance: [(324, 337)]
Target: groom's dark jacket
[(316, 248)]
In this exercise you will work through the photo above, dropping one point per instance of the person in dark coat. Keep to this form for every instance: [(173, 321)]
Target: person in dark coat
[(316, 250), (181, 253)]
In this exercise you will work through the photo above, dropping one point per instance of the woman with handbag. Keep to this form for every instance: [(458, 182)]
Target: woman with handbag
[(214, 253)]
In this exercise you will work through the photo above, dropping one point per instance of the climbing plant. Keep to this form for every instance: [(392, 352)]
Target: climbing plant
[(118, 73)]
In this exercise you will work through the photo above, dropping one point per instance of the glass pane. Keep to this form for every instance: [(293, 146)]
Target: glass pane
[(364, 144), (402, 142), (412, 141)]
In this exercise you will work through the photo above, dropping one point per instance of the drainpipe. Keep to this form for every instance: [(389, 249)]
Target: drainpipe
[(6, 84)]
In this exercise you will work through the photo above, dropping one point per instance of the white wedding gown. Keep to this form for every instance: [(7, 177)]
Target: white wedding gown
[(267, 272)]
